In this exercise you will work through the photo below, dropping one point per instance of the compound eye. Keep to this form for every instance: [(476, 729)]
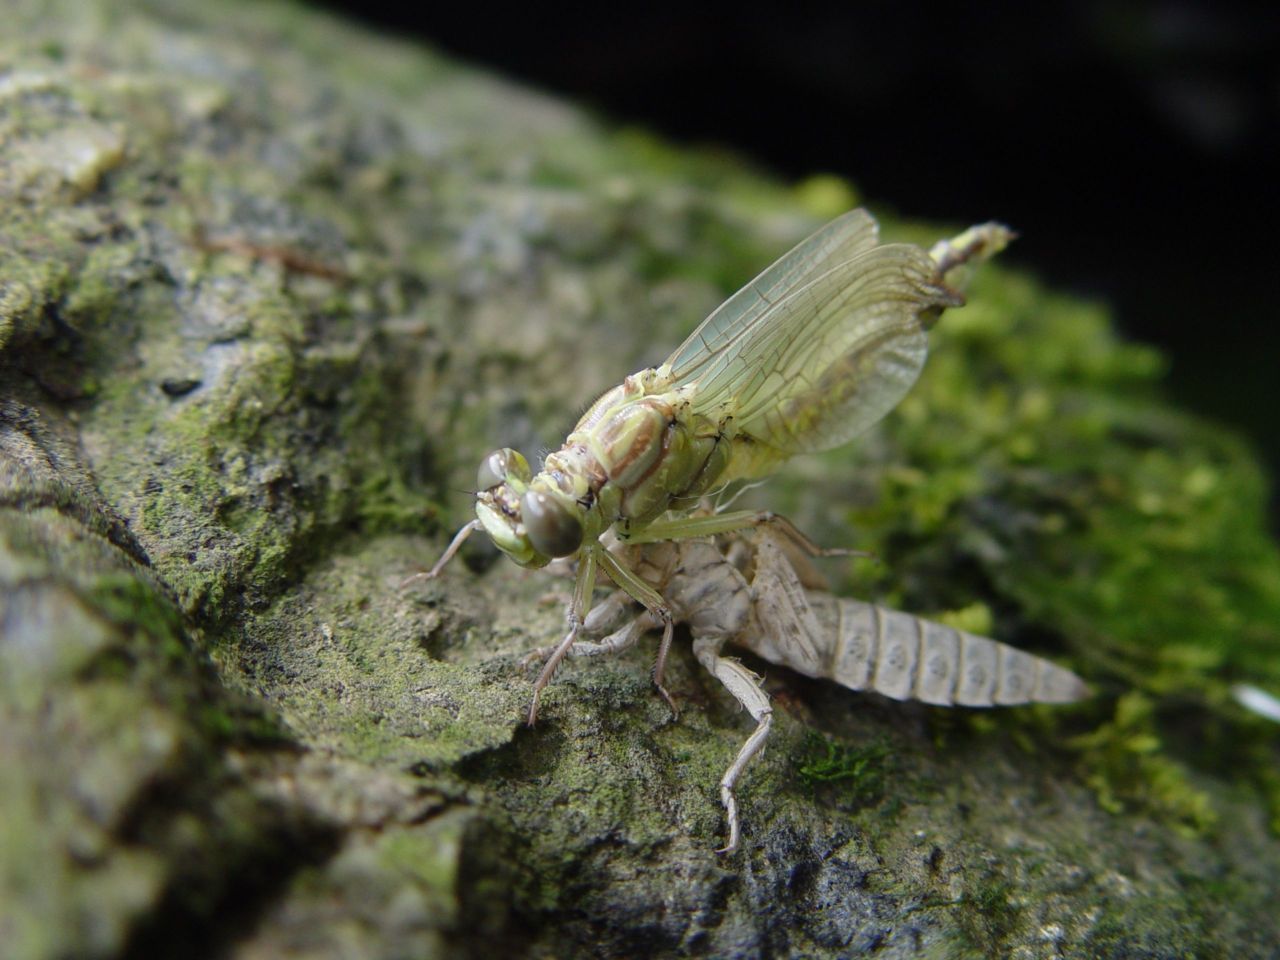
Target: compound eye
[(553, 530), (498, 466)]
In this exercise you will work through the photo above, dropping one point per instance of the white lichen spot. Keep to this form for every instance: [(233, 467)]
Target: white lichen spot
[(1052, 933), (19, 82), (70, 161)]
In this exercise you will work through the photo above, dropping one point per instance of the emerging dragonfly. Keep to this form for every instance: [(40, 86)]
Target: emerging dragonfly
[(807, 355)]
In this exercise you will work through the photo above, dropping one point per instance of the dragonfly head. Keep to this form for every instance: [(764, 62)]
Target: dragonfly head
[(528, 524)]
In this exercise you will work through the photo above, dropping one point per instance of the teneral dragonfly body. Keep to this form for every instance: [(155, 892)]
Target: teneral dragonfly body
[(817, 348)]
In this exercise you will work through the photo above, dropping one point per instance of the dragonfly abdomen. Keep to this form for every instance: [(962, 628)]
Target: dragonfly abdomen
[(906, 657)]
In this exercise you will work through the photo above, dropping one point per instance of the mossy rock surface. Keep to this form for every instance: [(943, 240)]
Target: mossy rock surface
[(271, 286)]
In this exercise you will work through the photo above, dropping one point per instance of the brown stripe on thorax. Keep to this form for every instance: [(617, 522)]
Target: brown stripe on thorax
[(631, 440), (663, 449)]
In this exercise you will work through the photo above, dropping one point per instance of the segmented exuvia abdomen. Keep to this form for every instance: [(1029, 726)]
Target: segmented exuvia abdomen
[(866, 647)]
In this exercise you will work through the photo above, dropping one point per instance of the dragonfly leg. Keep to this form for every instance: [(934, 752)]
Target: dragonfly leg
[(621, 639), (577, 612), (744, 685), (652, 601), (604, 615), (660, 665), (549, 668), (455, 544), (797, 536), (686, 528)]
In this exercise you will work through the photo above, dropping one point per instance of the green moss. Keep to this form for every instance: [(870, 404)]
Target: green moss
[(987, 917), (825, 196), (862, 768), (128, 601), (427, 856), (1125, 766), (31, 286)]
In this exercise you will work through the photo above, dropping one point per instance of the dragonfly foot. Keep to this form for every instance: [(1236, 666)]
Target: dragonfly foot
[(730, 803), (415, 577), (660, 664), (666, 695), (549, 668)]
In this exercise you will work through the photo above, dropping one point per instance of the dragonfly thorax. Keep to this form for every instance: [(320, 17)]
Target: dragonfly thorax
[(643, 450), (634, 455)]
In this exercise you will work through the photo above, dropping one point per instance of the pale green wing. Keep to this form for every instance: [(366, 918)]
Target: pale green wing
[(829, 358), (842, 239)]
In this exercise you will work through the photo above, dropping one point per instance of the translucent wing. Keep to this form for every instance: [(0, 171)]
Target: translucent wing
[(842, 239), (826, 359)]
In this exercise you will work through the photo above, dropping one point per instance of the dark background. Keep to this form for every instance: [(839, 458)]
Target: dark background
[(1136, 146)]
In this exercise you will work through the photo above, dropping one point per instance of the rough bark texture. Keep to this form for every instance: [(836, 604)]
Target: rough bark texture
[(270, 287)]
